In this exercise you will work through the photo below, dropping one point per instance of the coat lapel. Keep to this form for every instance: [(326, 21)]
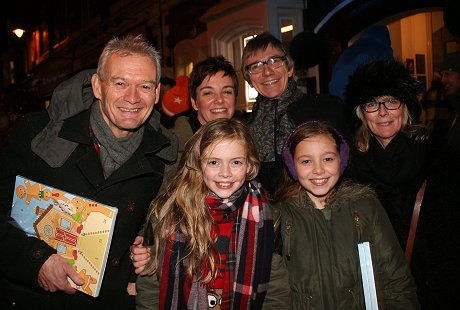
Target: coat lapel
[(139, 164), (153, 142)]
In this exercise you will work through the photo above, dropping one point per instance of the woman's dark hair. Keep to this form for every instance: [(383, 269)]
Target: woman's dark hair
[(290, 185), (209, 67)]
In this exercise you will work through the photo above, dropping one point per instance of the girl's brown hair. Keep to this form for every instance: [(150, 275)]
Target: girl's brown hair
[(289, 184)]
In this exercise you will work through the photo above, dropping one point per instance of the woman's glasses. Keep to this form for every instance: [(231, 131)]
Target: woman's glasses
[(389, 103), (272, 62)]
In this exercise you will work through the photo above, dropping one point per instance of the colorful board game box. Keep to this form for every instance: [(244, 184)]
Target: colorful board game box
[(79, 229)]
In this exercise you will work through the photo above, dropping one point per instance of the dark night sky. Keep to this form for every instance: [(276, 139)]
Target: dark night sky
[(17, 12)]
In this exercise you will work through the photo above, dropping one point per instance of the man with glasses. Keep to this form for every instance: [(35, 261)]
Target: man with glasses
[(280, 105), (450, 80)]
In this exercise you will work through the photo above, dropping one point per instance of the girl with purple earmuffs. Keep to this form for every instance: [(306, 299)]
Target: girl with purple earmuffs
[(322, 219)]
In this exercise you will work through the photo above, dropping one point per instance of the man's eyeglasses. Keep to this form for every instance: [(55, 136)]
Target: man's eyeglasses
[(389, 103), (272, 62)]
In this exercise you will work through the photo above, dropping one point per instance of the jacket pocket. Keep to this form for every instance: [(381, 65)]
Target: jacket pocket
[(349, 298), (301, 300)]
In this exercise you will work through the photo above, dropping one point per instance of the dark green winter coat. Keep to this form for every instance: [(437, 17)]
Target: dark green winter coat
[(319, 264)]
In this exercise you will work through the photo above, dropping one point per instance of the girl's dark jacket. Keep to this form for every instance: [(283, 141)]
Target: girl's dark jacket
[(130, 189), (319, 263)]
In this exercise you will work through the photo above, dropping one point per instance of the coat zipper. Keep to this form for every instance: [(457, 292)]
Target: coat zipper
[(288, 241), (357, 225)]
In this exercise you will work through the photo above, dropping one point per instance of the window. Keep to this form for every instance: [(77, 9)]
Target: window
[(189, 68), (287, 30), (60, 248), (65, 223), (251, 93), (48, 230)]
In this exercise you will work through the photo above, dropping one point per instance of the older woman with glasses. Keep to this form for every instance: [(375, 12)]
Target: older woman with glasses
[(395, 155), (280, 105)]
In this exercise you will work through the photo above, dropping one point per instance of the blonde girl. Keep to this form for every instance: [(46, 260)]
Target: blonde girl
[(213, 231)]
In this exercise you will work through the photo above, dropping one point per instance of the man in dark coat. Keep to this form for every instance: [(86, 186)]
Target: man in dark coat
[(99, 140), (450, 79)]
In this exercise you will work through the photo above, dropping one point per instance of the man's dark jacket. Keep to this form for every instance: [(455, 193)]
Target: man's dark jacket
[(130, 189)]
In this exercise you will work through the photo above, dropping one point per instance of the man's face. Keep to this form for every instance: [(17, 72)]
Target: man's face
[(450, 81), (270, 83), (128, 92)]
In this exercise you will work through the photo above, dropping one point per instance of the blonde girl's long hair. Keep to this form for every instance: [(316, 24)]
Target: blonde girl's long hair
[(183, 208)]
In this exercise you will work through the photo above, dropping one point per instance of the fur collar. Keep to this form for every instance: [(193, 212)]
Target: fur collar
[(345, 192)]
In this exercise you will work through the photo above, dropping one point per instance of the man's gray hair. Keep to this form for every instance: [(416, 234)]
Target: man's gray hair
[(126, 46)]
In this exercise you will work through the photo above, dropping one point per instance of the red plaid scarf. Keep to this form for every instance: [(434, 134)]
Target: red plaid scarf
[(248, 265)]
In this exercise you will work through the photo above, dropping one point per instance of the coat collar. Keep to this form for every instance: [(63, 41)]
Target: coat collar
[(76, 129), (154, 142), (346, 190), (69, 122)]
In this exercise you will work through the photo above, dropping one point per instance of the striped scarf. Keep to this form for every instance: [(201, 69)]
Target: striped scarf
[(249, 256), (270, 123)]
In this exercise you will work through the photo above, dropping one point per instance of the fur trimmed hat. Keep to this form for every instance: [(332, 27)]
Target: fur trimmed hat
[(177, 100), (377, 78)]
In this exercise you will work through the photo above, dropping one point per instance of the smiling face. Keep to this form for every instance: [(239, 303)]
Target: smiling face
[(215, 98), (225, 167), (270, 83), (317, 162), (128, 92), (383, 123)]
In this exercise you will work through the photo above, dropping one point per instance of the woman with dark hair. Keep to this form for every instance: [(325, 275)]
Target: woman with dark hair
[(213, 88), (395, 155)]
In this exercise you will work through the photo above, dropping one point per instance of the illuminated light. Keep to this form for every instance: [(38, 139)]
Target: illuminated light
[(287, 28), (18, 32)]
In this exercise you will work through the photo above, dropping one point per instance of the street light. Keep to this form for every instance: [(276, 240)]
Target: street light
[(19, 32)]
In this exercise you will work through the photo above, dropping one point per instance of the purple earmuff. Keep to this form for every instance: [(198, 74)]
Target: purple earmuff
[(289, 160)]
